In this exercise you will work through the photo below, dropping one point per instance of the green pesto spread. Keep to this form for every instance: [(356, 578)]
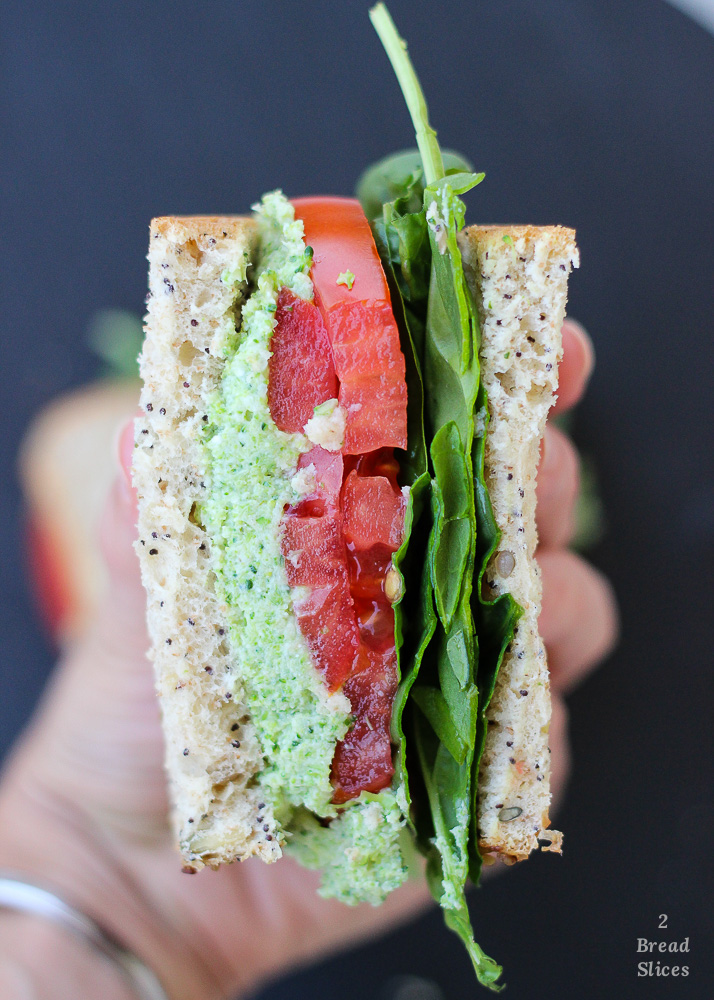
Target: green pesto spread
[(359, 855), (253, 476)]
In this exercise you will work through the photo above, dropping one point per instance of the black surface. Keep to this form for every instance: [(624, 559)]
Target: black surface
[(595, 114)]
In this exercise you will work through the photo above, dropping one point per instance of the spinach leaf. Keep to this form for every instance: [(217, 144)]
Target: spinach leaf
[(414, 615), (443, 697), (399, 176), (447, 783), (446, 743)]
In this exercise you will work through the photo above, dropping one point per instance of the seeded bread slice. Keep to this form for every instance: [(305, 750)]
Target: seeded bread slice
[(197, 275), (519, 277)]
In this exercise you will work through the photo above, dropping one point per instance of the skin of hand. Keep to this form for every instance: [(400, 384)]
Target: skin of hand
[(83, 804)]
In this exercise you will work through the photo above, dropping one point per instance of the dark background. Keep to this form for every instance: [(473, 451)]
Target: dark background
[(593, 113)]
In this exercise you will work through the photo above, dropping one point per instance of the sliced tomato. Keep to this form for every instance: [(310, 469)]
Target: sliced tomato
[(327, 468), (368, 569), (338, 232), (375, 619), (301, 372), (373, 513), (363, 760), (316, 559), (327, 619), (365, 340), (314, 550), (377, 463)]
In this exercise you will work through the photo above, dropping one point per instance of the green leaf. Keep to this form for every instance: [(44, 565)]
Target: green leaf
[(396, 49), (461, 699), (436, 709), (488, 971), (451, 470), (415, 619), (459, 182), (400, 176), (460, 656), (448, 788), (450, 559), (452, 675), (414, 253), (451, 387)]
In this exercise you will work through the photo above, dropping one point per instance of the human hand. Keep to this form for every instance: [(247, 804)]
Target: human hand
[(579, 618), (85, 798)]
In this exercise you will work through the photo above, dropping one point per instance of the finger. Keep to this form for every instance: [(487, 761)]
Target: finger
[(579, 620), (309, 927), (559, 750), (101, 716), (121, 620), (557, 489), (575, 367), (117, 527)]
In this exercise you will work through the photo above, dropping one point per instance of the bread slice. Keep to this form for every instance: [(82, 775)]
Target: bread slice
[(519, 277), (197, 280)]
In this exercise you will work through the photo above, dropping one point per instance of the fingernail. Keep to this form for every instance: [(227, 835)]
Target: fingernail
[(588, 350)]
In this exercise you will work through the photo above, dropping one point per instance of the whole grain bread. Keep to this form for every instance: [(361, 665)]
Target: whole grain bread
[(519, 278), (197, 280)]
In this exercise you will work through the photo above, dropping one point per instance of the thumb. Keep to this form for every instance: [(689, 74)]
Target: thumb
[(122, 617), (100, 714), (117, 529)]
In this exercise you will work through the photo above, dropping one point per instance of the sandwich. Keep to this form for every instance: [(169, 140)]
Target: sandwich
[(342, 408)]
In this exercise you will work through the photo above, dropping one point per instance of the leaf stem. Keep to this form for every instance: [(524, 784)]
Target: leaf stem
[(396, 49)]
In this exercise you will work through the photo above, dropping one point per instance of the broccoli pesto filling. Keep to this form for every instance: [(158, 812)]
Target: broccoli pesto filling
[(253, 465), (358, 855), (253, 473)]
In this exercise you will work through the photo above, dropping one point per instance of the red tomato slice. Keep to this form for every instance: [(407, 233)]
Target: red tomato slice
[(372, 406), (368, 570), (365, 340), (363, 760), (338, 232), (301, 372), (373, 514), (327, 620), (314, 550), (316, 558), (376, 622), (327, 468), (378, 463), (368, 359)]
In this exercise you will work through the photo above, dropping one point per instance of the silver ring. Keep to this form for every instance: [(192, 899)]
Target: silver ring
[(26, 897)]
